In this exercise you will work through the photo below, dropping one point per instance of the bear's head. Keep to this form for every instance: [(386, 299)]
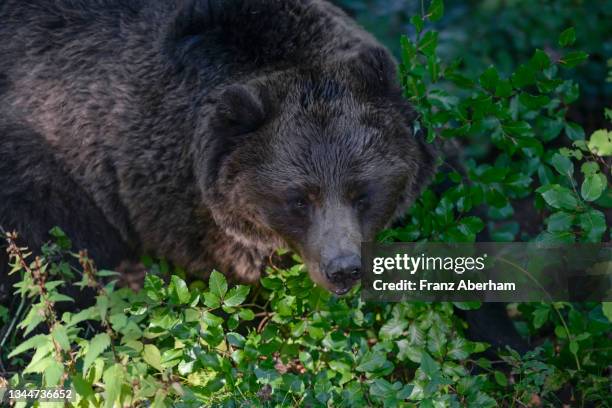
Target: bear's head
[(321, 159), (305, 139)]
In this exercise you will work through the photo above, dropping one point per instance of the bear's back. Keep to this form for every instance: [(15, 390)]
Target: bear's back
[(45, 28)]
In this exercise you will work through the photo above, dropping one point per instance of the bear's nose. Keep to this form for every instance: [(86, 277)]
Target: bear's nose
[(344, 268)]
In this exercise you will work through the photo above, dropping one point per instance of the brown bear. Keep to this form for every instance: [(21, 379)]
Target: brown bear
[(206, 132)]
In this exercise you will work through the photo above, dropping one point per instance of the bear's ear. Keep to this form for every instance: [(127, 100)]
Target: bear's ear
[(186, 22), (374, 69), (239, 109)]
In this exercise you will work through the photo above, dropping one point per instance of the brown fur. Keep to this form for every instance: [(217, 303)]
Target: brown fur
[(193, 129)]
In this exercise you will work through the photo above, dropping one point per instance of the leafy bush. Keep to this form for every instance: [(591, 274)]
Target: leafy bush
[(510, 129), (505, 33), (290, 343)]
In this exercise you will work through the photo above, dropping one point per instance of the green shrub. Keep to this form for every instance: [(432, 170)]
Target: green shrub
[(290, 343), (510, 128)]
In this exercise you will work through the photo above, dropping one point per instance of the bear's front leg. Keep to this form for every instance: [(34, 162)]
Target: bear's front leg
[(238, 262), (217, 250)]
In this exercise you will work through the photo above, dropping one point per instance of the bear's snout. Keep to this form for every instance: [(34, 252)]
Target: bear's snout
[(343, 271)]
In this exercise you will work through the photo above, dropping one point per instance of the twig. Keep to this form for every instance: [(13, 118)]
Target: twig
[(13, 322)]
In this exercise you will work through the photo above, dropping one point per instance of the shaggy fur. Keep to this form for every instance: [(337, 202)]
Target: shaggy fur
[(205, 132)]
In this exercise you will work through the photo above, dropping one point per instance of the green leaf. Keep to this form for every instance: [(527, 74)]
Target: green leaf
[(570, 92), (33, 342), (103, 273), (408, 50), (592, 187), (417, 22), (540, 60), (43, 358), (433, 67), (574, 131), (60, 335), (607, 310), (574, 347), (236, 339), (113, 380), (523, 76), (589, 168), (546, 86), (82, 386), (286, 305), (152, 356), (211, 300), (500, 378), (246, 314), (371, 362), (548, 128), (53, 374), (471, 225), (496, 199), (556, 237), (601, 143), (60, 238), (118, 321), (154, 288), (436, 10), (381, 388), (461, 80), (428, 365), (180, 289), (393, 328), (236, 295), (158, 401), (428, 43), (473, 305), (567, 37), (458, 349), (593, 223), (562, 164), (408, 351), (56, 297), (533, 102), (560, 332), (217, 284), (494, 175), (416, 335), (505, 232), (573, 58), (211, 319), (517, 128), (86, 314), (560, 221), (489, 78), (34, 317), (503, 89), (531, 146), (559, 197), (540, 317), (96, 346)]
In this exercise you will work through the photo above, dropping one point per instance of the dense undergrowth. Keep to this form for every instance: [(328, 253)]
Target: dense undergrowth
[(524, 172), (287, 344)]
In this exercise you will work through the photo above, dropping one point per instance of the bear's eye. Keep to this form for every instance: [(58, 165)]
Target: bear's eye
[(361, 202), (298, 204)]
